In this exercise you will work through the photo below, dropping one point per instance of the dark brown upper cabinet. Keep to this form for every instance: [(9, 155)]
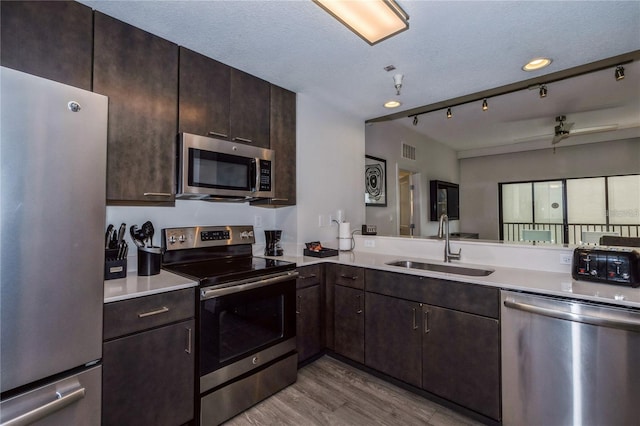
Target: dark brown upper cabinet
[(205, 90), (219, 101), (138, 71), (50, 39), (249, 114), (283, 141)]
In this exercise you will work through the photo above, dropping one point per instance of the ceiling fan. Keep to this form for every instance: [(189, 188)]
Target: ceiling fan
[(563, 130)]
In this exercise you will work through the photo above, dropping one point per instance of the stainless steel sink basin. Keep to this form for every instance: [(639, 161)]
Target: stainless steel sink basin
[(450, 269)]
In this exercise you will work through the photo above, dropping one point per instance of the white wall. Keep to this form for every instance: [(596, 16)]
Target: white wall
[(433, 161), (479, 176), (330, 170)]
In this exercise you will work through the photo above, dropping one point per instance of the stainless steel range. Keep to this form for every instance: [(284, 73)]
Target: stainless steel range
[(246, 316)]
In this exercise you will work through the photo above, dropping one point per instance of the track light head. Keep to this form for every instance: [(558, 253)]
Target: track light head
[(543, 91), (449, 114), (619, 72), (485, 104), (415, 120)]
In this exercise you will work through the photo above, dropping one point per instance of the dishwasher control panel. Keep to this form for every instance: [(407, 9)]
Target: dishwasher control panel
[(608, 265)]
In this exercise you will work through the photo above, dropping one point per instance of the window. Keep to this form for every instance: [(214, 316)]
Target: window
[(570, 211)]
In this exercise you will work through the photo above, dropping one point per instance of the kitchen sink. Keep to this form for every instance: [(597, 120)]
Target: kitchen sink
[(450, 269)]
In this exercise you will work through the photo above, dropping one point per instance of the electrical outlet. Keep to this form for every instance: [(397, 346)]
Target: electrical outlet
[(257, 221), (320, 221), (369, 243), (566, 259)]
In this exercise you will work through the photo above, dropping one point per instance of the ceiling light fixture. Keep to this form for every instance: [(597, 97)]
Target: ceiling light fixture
[(485, 104), (397, 81), (415, 120), (619, 72), (373, 21), (536, 64), (392, 104), (543, 91), (449, 114)]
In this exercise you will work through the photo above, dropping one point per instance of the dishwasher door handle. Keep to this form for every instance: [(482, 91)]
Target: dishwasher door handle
[(621, 324)]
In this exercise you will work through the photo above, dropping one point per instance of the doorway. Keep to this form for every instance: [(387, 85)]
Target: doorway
[(408, 201)]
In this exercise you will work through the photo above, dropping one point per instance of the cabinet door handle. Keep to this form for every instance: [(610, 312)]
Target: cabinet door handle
[(304, 277), (359, 304), (189, 333), (299, 299), (426, 322), (155, 312), (221, 135), (157, 194), (242, 140), (415, 319)]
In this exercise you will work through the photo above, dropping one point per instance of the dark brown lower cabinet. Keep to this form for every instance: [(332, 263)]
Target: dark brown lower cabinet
[(308, 322), (148, 377), (461, 359), (394, 337), (349, 322)]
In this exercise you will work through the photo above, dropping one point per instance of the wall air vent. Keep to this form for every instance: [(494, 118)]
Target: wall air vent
[(408, 151)]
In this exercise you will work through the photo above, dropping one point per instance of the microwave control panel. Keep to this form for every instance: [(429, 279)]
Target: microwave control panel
[(265, 176)]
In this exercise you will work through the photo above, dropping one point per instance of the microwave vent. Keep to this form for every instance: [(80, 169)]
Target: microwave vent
[(408, 151)]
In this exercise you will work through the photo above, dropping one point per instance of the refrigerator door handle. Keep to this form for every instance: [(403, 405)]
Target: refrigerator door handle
[(47, 409)]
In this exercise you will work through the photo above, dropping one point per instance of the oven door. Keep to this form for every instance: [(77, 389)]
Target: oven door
[(244, 326)]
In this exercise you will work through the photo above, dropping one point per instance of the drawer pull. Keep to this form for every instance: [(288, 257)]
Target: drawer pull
[(304, 277), (349, 277), (60, 402), (156, 312)]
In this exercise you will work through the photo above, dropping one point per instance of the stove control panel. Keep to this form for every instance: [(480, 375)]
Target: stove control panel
[(206, 236), (608, 265)]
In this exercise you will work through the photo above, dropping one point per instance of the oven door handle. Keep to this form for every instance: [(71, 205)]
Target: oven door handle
[(210, 293)]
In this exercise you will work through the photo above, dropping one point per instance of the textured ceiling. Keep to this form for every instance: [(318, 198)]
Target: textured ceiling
[(452, 49)]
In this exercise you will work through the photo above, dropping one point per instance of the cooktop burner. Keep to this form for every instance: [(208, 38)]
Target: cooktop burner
[(215, 255)]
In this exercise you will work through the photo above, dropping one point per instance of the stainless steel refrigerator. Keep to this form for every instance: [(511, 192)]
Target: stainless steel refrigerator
[(52, 195)]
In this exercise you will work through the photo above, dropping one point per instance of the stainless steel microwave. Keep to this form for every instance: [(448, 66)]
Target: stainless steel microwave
[(219, 170)]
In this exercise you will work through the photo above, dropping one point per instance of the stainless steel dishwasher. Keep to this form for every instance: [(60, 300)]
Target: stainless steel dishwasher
[(569, 363)]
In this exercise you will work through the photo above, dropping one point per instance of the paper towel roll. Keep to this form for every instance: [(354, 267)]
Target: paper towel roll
[(344, 236), (344, 230)]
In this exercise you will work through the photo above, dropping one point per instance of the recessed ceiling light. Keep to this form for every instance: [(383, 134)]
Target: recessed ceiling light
[(536, 64), (392, 104)]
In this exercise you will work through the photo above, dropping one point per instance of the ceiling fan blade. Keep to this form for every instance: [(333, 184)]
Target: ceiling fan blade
[(594, 129)]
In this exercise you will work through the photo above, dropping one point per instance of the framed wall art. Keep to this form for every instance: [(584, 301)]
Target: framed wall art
[(375, 179)]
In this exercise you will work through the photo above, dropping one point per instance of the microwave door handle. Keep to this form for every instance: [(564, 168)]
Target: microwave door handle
[(255, 175)]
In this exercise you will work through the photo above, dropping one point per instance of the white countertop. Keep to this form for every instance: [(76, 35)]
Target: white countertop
[(136, 286), (541, 282)]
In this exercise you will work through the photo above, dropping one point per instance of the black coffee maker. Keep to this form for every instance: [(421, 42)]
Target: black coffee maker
[(272, 239)]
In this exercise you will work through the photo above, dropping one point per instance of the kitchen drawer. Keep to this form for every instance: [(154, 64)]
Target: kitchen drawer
[(348, 276), (130, 316), (309, 275), (471, 298)]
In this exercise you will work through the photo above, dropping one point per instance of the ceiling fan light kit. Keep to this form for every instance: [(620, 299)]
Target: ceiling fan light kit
[(372, 20)]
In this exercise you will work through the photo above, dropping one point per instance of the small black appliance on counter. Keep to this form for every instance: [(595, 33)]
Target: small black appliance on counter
[(608, 265)]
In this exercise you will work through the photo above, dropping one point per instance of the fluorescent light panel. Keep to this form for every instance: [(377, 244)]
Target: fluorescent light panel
[(372, 20)]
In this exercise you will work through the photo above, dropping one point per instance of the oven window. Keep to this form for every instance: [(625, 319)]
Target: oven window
[(250, 326), (235, 326), (216, 170)]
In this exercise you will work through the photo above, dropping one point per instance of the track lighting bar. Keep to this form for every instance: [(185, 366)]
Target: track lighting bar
[(534, 83)]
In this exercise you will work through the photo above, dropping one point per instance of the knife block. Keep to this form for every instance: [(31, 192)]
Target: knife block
[(113, 267)]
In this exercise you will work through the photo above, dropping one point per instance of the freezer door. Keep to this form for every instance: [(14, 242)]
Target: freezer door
[(74, 400), (52, 209)]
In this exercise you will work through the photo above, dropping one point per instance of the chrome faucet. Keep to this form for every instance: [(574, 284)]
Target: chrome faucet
[(444, 227)]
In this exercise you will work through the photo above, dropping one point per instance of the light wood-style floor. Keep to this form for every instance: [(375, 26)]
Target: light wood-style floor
[(329, 392)]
